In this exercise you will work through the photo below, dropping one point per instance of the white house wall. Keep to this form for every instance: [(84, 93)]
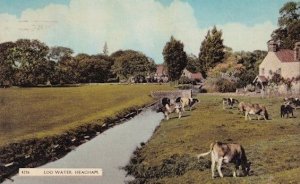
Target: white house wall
[(271, 62), (290, 70)]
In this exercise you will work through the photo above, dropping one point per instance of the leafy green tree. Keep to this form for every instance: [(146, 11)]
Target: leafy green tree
[(95, 68), (7, 64), (193, 64), (62, 57), (289, 25), (131, 63), (175, 58), (33, 66), (211, 50), (251, 62)]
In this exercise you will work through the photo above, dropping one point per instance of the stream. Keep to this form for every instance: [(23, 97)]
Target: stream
[(109, 151)]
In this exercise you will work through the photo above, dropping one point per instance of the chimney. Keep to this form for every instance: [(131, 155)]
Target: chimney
[(297, 51), (272, 46)]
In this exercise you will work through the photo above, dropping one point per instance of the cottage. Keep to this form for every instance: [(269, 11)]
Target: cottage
[(192, 76), (282, 61), (161, 74), (285, 62)]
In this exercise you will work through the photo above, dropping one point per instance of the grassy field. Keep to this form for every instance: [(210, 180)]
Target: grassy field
[(272, 146), (38, 112)]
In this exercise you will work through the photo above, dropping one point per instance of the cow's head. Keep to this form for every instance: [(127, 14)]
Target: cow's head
[(246, 168)]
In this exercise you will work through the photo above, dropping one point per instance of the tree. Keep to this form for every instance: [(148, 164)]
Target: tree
[(105, 49), (7, 64), (288, 32), (33, 66), (251, 62), (175, 58), (96, 68), (193, 64), (131, 63), (61, 56), (211, 50)]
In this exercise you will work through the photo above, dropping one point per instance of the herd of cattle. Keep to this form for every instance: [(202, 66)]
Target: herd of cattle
[(286, 109), (168, 106), (228, 152)]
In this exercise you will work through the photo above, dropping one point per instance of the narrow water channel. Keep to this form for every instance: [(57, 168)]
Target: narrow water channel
[(110, 151)]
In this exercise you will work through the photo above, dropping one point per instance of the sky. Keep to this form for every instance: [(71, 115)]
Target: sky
[(143, 25)]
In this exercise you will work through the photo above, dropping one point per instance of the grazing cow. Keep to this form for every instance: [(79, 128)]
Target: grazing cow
[(286, 109), (227, 153), (168, 108), (294, 101), (190, 102), (229, 102), (256, 109), (242, 107)]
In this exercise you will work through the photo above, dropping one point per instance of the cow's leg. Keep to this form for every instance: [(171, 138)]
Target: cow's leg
[(219, 165), (246, 114), (236, 168), (213, 162), (179, 115), (166, 115)]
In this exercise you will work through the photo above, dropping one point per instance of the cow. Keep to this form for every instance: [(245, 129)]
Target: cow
[(190, 102), (256, 109), (168, 108), (229, 102), (242, 107), (227, 153), (286, 109), (293, 101)]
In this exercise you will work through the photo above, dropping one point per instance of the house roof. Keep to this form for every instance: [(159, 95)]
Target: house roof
[(160, 70), (260, 78), (197, 76), (285, 55)]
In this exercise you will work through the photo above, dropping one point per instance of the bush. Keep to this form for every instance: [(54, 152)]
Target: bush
[(185, 80), (224, 85)]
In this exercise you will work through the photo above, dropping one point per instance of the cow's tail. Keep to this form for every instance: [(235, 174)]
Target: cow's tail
[(207, 153)]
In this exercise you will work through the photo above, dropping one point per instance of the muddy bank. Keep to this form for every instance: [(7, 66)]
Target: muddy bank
[(37, 152)]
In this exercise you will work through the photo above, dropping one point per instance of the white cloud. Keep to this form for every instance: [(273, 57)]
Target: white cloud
[(140, 25), (249, 38)]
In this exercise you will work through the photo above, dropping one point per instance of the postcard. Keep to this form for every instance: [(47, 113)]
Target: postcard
[(149, 91)]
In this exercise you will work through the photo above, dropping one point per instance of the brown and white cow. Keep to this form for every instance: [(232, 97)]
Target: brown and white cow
[(187, 102), (256, 109), (229, 102), (253, 109), (227, 153), (168, 108)]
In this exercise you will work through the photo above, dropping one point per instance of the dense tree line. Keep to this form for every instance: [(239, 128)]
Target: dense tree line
[(31, 63)]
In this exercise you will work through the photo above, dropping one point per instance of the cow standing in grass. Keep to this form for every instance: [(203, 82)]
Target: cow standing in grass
[(229, 102), (227, 153), (256, 109), (168, 108), (286, 109), (187, 102)]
